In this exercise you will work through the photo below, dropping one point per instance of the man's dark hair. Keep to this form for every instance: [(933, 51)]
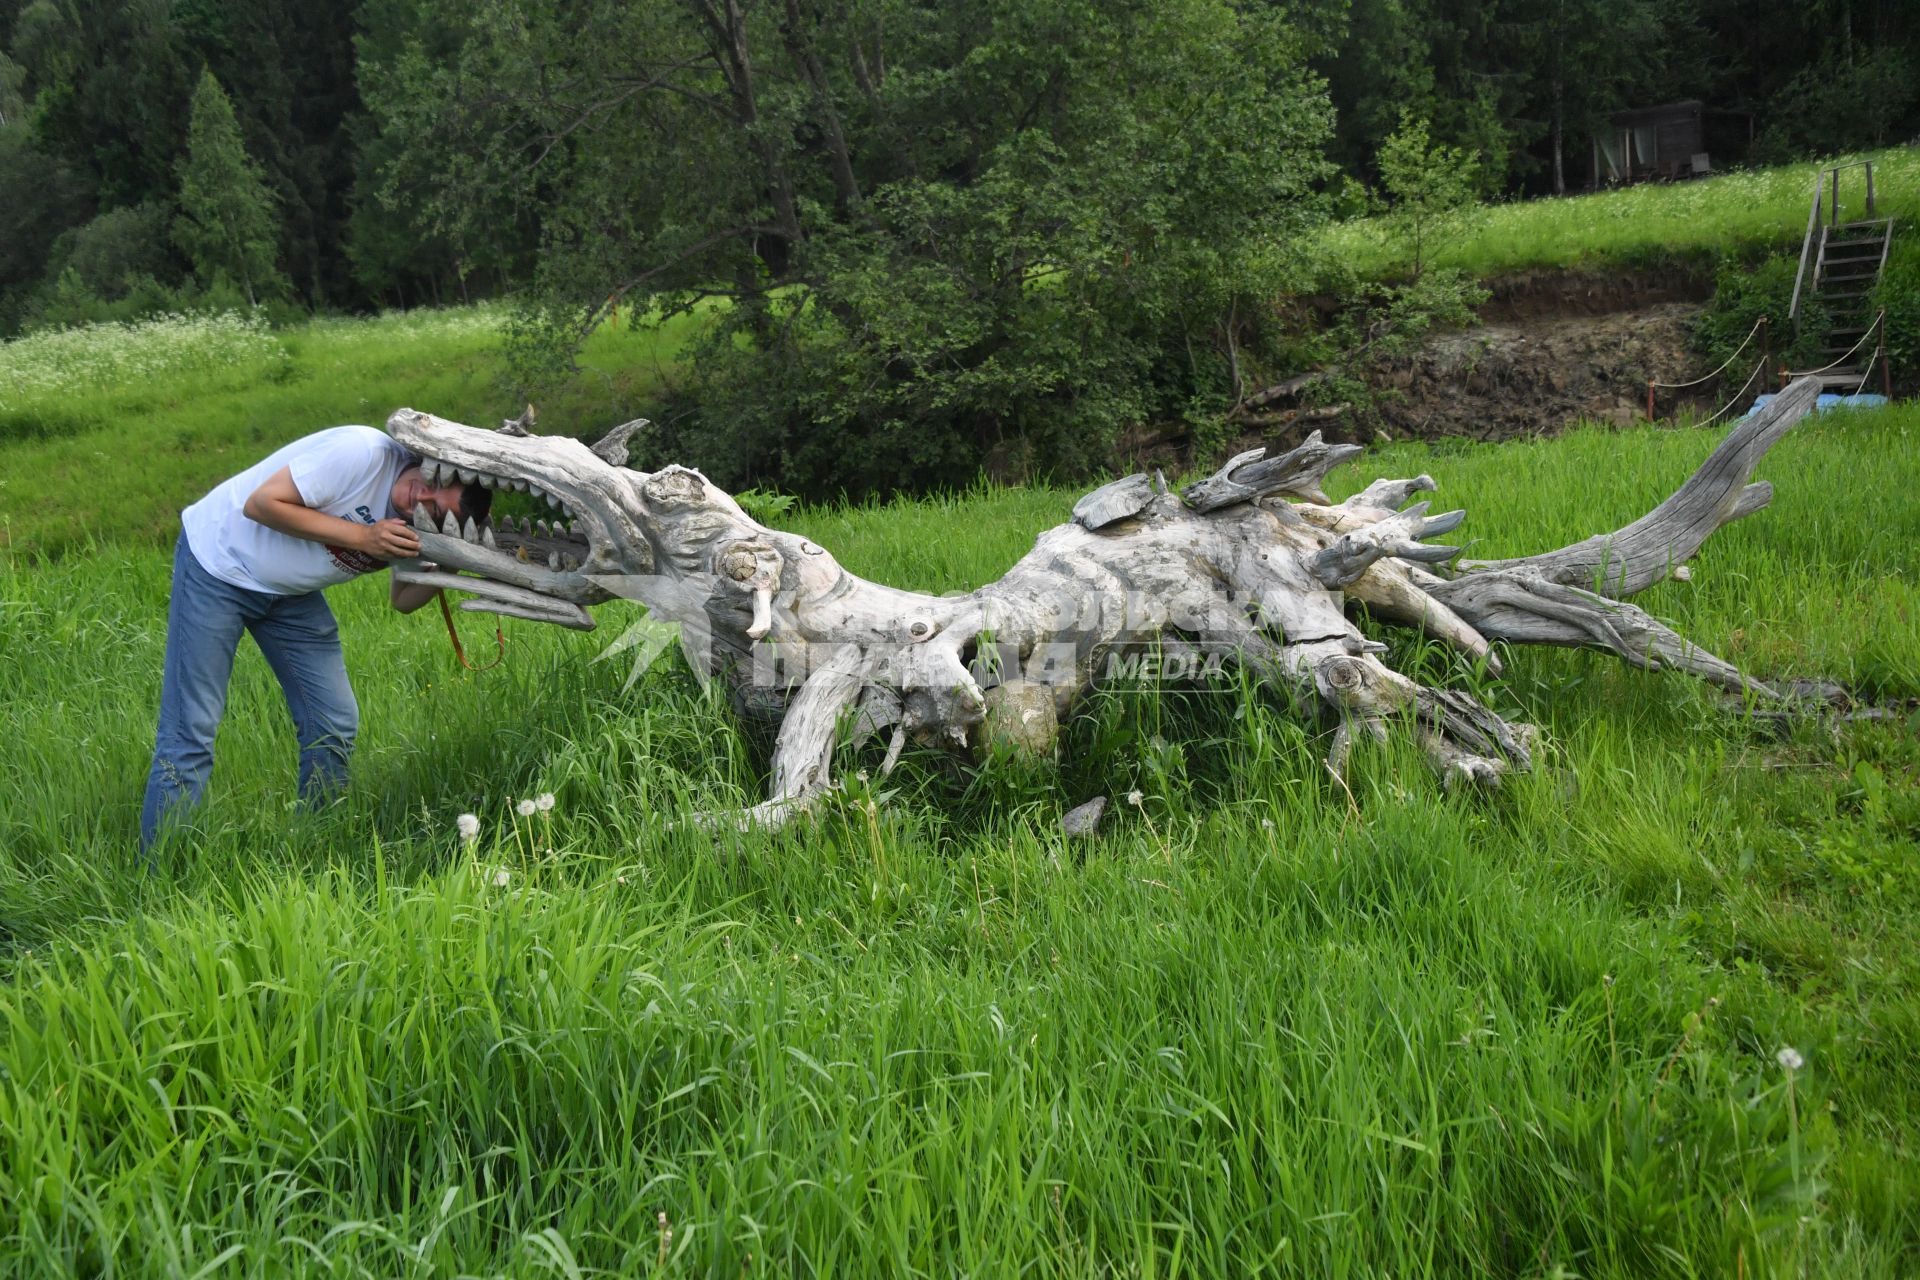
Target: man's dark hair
[(475, 501)]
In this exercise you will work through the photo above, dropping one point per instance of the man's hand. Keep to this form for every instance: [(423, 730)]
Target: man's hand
[(389, 540), (278, 505)]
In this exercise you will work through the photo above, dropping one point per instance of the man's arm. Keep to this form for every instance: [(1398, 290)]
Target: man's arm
[(277, 504), (408, 596)]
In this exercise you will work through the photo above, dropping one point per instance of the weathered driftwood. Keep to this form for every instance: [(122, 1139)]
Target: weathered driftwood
[(1229, 572)]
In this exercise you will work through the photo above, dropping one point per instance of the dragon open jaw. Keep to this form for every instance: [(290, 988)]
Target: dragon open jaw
[(530, 568), (563, 545)]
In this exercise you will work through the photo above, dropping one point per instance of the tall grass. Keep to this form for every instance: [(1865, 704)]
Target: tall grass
[(61, 363), (1733, 214), (109, 431), (1261, 1025)]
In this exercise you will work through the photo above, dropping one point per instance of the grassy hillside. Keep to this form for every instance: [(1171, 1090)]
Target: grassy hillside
[(1735, 214), (108, 431), (1261, 1025)]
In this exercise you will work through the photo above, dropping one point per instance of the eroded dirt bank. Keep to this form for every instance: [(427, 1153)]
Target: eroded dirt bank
[(1552, 348), (1535, 376)]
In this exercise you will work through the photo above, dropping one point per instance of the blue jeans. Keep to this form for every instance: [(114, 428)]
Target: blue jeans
[(302, 644)]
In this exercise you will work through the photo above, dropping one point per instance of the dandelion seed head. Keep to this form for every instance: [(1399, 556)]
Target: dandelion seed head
[(501, 877), (544, 801), (1789, 1057), (1134, 798), (526, 808), (469, 826)]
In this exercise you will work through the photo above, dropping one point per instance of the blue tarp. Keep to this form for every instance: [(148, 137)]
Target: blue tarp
[(1828, 401)]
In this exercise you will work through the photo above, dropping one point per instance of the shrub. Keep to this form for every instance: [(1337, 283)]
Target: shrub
[(1427, 185), (1041, 225), (1744, 291), (1898, 293), (120, 252)]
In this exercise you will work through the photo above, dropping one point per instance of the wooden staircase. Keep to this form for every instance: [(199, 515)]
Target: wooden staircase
[(1846, 259)]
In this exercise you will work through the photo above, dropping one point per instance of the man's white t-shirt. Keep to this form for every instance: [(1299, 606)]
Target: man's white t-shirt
[(344, 471)]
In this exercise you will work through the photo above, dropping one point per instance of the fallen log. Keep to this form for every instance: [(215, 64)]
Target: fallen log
[(1251, 567)]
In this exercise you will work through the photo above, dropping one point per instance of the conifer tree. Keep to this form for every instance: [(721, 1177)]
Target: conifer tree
[(226, 223)]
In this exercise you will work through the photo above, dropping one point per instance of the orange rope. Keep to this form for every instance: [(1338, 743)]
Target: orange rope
[(498, 636)]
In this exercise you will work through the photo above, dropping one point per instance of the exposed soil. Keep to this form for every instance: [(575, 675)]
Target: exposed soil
[(1559, 295), (1553, 348), (1533, 377)]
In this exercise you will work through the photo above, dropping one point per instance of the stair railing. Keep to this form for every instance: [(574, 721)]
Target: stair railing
[(1807, 250)]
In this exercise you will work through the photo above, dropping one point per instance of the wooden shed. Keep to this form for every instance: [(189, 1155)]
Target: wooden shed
[(1662, 142)]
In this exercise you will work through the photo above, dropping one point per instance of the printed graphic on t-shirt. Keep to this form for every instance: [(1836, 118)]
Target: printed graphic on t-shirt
[(356, 561)]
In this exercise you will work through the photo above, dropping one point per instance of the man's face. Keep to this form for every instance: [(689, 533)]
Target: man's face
[(412, 489)]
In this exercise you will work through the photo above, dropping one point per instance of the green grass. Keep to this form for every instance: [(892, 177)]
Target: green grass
[(1742, 213), (108, 433), (1259, 1026)]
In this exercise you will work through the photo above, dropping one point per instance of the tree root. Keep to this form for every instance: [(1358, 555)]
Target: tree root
[(1228, 573)]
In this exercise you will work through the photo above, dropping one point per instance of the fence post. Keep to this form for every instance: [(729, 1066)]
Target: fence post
[(1766, 345), (1649, 399)]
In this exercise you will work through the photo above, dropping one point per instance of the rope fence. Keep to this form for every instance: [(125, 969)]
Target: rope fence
[(1878, 356), (1788, 374), (1759, 329), (1758, 325), (1759, 371)]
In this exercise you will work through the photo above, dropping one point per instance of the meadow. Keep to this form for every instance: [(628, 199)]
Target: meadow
[(1653, 1010), (1741, 214), (108, 430)]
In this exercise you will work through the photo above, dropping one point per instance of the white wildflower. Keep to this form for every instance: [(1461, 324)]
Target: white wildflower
[(526, 808), (469, 826), (54, 362), (544, 801), (1789, 1057)]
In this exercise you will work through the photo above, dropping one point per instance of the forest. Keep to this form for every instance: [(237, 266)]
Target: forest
[(923, 234)]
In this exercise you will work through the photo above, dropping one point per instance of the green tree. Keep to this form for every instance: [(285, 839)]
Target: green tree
[(226, 223), (43, 197), (1427, 183), (108, 83), (945, 232), (401, 246)]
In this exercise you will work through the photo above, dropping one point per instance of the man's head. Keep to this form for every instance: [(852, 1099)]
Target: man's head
[(464, 501)]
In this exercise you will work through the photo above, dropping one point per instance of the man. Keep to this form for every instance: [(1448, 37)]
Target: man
[(254, 555)]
